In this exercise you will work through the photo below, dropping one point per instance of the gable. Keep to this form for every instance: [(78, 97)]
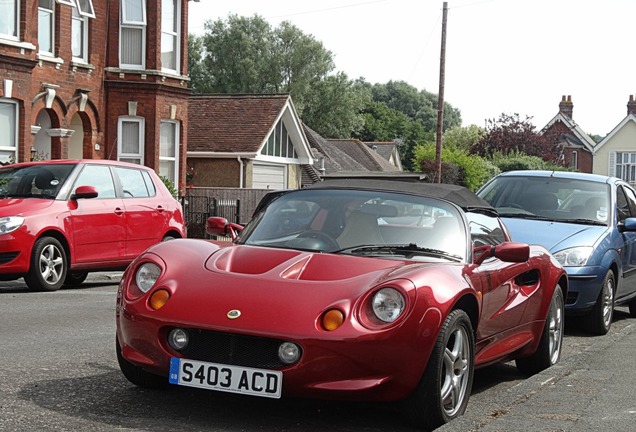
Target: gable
[(240, 125)]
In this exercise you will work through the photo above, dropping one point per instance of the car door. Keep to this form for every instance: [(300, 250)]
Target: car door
[(503, 300), (147, 212), (626, 207), (98, 224)]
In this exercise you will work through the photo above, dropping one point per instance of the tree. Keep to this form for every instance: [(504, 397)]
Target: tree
[(247, 55), (463, 138), (511, 134)]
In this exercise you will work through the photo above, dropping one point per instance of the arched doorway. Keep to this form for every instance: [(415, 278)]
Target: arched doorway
[(76, 142), (42, 142)]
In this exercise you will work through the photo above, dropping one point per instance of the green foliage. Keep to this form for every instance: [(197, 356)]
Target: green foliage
[(520, 161), (510, 134), (333, 106), (170, 185), (475, 170), (463, 138)]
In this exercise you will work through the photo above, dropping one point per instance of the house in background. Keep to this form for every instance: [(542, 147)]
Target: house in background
[(388, 150), (246, 141), (345, 158), (90, 79), (615, 155), (577, 148)]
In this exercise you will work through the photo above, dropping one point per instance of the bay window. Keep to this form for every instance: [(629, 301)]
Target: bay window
[(132, 34)]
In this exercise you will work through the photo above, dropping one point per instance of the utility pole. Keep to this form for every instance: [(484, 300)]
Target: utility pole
[(440, 100)]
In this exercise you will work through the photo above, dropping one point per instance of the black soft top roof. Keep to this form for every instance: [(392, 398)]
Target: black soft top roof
[(459, 195)]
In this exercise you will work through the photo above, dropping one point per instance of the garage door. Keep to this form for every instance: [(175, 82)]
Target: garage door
[(269, 177)]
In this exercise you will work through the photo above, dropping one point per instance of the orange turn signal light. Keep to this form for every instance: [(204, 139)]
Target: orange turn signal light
[(159, 298), (332, 319)]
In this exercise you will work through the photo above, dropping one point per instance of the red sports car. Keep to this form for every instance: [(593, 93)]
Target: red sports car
[(357, 289)]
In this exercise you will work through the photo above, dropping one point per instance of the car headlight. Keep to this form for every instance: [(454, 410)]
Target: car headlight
[(146, 276), (388, 304), (574, 257), (10, 224)]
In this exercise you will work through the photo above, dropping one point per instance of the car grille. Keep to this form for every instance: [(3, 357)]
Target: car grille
[(232, 349), (5, 257)]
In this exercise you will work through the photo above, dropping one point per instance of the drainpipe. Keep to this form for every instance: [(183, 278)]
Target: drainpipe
[(240, 161)]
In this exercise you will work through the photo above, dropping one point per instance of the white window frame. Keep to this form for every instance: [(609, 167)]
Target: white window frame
[(85, 8), (126, 23), (14, 147), (121, 121), (85, 22), (172, 33), (575, 159), (16, 23), (66, 2), (627, 163), (175, 158), (51, 35)]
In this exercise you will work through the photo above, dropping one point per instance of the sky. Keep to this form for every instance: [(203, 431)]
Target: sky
[(501, 56)]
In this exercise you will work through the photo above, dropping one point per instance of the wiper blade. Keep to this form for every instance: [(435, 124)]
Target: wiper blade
[(525, 216), (407, 250), (581, 221)]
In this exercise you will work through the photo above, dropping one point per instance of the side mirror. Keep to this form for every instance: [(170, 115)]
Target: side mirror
[(628, 225), (219, 226), (508, 252), (83, 192)]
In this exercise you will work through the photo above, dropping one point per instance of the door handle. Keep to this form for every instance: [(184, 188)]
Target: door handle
[(119, 211), (160, 209)]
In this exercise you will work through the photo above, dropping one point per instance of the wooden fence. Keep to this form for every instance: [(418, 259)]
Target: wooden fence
[(234, 204)]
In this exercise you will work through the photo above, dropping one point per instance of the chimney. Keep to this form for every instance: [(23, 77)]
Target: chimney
[(566, 106), (631, 105)]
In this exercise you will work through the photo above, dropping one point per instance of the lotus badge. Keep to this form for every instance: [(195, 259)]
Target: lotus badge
[(233, 314)]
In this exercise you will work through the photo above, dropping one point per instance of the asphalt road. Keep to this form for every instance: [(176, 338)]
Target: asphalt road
[(59, 373)]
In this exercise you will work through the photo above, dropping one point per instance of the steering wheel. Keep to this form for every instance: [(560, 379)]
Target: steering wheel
[(328, 242), (514, 205)]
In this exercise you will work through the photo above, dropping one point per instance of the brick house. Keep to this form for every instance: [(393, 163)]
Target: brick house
[(253, 141), (577, 148), (95, 79), (615, 155)]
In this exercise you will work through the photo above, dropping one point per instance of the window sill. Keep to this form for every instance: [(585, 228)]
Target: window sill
[(50, 59), (76, 64), (16, 43)]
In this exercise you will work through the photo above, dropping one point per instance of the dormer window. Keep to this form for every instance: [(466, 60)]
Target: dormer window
[(132, 34)]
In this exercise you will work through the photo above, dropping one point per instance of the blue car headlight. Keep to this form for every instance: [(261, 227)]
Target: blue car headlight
[(10, 224), (574, 257)]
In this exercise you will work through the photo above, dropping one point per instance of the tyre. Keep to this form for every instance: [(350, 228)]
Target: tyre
[(443, 392), (137, 375), (632, 308), (48, 265), (548, 352), (599, 320), (75, 278)]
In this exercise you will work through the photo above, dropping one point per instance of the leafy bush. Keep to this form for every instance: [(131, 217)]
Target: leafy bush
[(521, 161), (475, 170), (166, 181)]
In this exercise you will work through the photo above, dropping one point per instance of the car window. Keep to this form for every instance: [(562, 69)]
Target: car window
[(133, 183), (98, 176), (485, 230), (555, 198), (625, 203)]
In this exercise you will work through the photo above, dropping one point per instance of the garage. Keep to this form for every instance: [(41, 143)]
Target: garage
[(269, 177)]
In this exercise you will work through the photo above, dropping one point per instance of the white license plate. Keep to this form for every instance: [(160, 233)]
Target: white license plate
[(221, 377)]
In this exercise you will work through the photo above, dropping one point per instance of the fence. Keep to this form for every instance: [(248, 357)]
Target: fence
[(234, 204)]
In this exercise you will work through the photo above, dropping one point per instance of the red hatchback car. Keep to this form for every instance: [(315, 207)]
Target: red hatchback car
[(61, 219)]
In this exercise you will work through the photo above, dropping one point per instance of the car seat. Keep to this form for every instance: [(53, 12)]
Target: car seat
[(360, 229)]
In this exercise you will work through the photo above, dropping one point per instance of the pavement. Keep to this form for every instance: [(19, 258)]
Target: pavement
[(104, 277), (594, 390)]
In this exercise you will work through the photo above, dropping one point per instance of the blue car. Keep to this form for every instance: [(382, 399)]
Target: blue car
[(588, 222)]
